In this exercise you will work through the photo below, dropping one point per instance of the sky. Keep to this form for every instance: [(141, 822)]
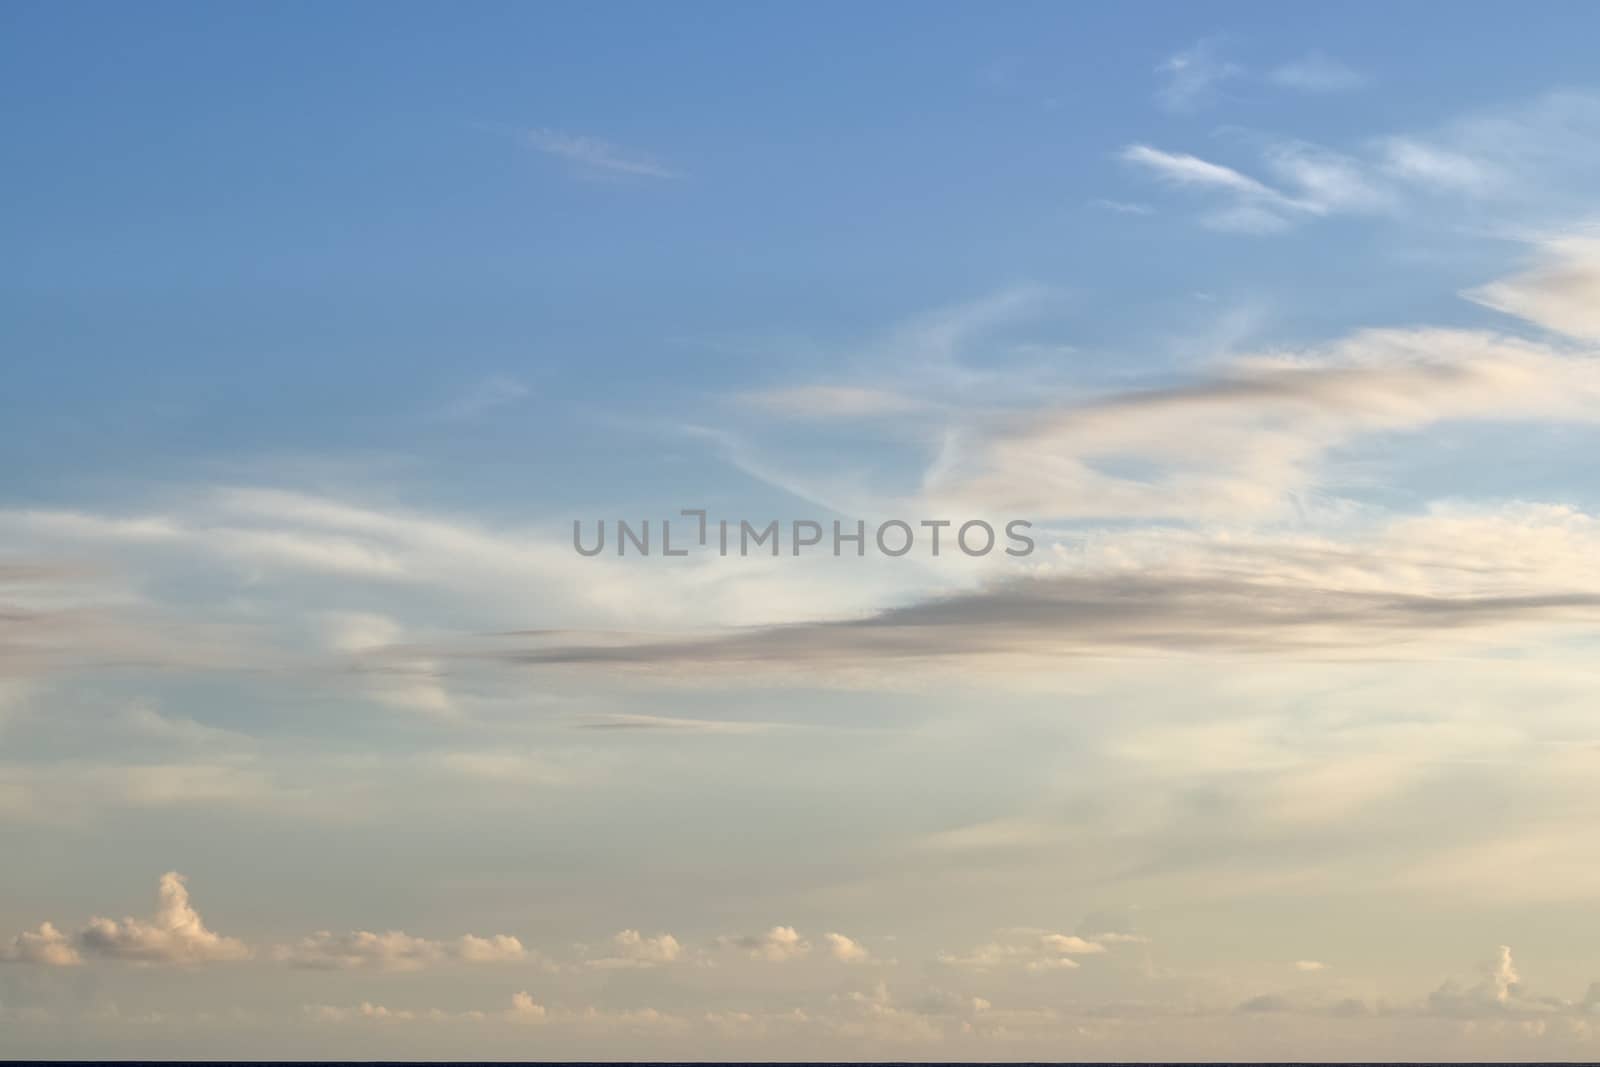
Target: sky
[(323, 325)]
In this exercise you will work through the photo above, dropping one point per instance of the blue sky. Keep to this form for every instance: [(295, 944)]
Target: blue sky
[(257, 199), (323, 324)]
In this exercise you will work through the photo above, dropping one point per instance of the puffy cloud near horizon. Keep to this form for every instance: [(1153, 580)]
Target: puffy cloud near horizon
[(630, 948), (1031, 950), (778, 945), (46, 945), (394, 950), (175, 934), (845, 949)]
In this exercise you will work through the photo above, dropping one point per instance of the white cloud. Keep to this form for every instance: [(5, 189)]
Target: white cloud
[(483, 396), (1316, 73), (845, 949), (1500, 991), (500, 948), (175, 934), (410, 683), (1436, 168), (1029, 950), (829, 402), (524, 1009), (46, 945), (593, 155), (629, 948), (1560, 293), (1326, 182), (1123, 207), (1194, 76), (367, 1011), (777, 945), (1183, 169), (1239, 442), (394, 950), (1316, 182)]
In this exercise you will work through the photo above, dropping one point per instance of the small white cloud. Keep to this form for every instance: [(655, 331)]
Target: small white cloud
[(845, 949), (777, 945), (46, 945), (393, 678), (394, 950), (524, 1009), (484, 396), (1432, 167), (596, 156), (501, 948), (630, 948), (1030, 950), (1123, 207), (829, 402), (1192, 77), (1316, 73), (1313, 182), (1310, 966), (1180, 168)]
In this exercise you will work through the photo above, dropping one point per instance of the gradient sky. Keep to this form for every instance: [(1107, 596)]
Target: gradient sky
[(322, 324)]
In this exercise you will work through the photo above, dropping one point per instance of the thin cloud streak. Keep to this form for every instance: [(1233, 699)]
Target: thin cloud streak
[(594, 154)]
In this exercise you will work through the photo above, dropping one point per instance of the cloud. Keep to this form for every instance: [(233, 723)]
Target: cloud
[(1309, 966), (592, 155), (829, 402), (175, 934), (394, 950), (1030, 950), (1498, 993), (1183, 169), (1316, 73), (1193, 77), (844, 949), (1123, 207), (674, 724), (1317, 182), (1428, 582), (406, 682), (1237, 440), (367, 1011), (1431, 167), (500, 948), (524, 1009), (778, 945), (1532, 162), (1560, 293), (47, 946), (1327, 182), (484, 396), (1529, 164), (1266, 1004), (631, 949)]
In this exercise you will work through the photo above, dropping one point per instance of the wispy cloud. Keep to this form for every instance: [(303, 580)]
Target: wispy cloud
[(593, 155), (483, 396), (1317, 73), (1192, 78), (1253, 206), (1561, 292), (1180, 168), (1123, 207)]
